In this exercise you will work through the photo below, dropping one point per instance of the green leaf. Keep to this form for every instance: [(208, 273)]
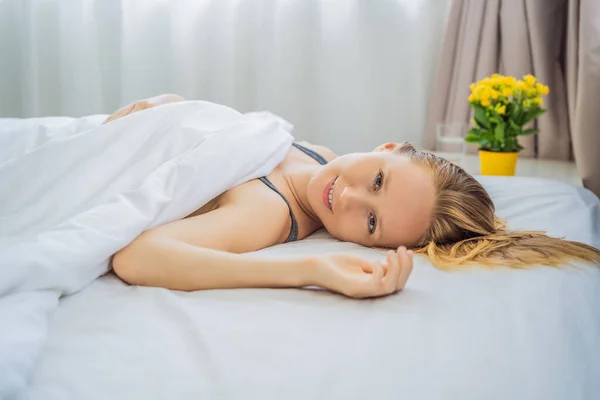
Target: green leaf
[(499, 133), (529, 132), (518, 116), (480, 116), (532, 114), (474, 135), (510, 109), (511, 144), (513, 125)]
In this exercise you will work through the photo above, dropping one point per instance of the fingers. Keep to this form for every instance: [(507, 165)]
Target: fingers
[(121, 112), (393, 272), (377, 271), (140, 105), (128, 109), (397, 271), (382, 278), (405, 259)]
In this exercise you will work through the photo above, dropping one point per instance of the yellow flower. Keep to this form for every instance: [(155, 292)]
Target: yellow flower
[(541, 89), (530, 90), (529, 79), (497, 92), (509, 80), (484, 95)]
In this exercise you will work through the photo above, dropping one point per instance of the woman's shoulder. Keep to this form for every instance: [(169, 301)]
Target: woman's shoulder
[(252, 195), (253, 206), (325, 152)]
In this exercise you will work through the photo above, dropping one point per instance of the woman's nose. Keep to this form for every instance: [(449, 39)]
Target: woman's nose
[(350, 197)]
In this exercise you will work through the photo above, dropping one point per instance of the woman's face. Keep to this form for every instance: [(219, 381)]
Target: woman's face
[(374, 199)]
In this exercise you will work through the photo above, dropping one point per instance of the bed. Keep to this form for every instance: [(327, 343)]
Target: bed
[(474, 334), (470, 334)]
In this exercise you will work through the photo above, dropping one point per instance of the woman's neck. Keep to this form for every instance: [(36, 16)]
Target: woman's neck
[(298, 180)]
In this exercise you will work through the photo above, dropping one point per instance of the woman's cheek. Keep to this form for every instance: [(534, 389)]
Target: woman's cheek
[(347, 230)]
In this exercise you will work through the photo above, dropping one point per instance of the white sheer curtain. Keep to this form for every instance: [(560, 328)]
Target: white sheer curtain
[(349, 74)]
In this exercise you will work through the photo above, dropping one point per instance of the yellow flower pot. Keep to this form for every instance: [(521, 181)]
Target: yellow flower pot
[(498, 163)]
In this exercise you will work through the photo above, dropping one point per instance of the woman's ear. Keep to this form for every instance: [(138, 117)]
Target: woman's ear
[(396, 147), (389, 146)]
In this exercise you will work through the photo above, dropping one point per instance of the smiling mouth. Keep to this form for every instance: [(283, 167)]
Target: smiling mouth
[(328, 194)]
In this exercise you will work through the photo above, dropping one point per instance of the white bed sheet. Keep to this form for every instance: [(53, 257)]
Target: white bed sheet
[(474, 334)]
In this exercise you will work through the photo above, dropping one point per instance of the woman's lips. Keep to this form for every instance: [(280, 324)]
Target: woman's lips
[(326, 194)]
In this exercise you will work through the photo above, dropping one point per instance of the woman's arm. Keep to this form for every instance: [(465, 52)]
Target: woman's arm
[(173, 264), (143, 105), (210, 251), (204, 251), (165, 262)]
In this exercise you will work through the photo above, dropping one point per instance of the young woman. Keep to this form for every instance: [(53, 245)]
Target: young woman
[(394, 197)]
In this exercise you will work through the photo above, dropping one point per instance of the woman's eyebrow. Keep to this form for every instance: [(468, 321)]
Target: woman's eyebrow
[(386, 184), (386, 181)]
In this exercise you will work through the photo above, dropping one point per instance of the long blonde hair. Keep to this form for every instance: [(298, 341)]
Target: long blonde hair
[(465, 229)]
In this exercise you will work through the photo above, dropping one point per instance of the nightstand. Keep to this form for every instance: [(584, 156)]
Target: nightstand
[(564, 171)]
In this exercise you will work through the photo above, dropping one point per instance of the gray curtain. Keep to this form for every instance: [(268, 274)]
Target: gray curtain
[(558, 41)]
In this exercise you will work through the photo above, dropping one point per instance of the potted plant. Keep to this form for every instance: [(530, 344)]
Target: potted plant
[(502, 106)]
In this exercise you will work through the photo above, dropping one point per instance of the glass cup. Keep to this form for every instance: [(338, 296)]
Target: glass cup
[(450, 141)]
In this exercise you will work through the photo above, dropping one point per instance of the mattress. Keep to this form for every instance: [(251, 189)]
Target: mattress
[(469, 334)]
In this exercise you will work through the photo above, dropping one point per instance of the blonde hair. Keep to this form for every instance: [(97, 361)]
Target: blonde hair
[(465, 229)]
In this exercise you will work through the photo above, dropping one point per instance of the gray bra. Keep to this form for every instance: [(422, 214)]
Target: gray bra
[(293, 236)]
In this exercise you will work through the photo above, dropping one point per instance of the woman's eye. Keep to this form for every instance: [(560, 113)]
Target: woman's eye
[(378, 181), (372, 223)]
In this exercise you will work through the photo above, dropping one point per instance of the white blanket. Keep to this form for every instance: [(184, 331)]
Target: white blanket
[(72, 193)]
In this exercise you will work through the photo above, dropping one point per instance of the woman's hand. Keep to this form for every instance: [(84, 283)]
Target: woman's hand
[(358, 278), (143, 105)]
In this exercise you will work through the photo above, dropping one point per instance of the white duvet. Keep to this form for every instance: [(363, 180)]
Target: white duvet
[(473, 334), (72, 193)]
